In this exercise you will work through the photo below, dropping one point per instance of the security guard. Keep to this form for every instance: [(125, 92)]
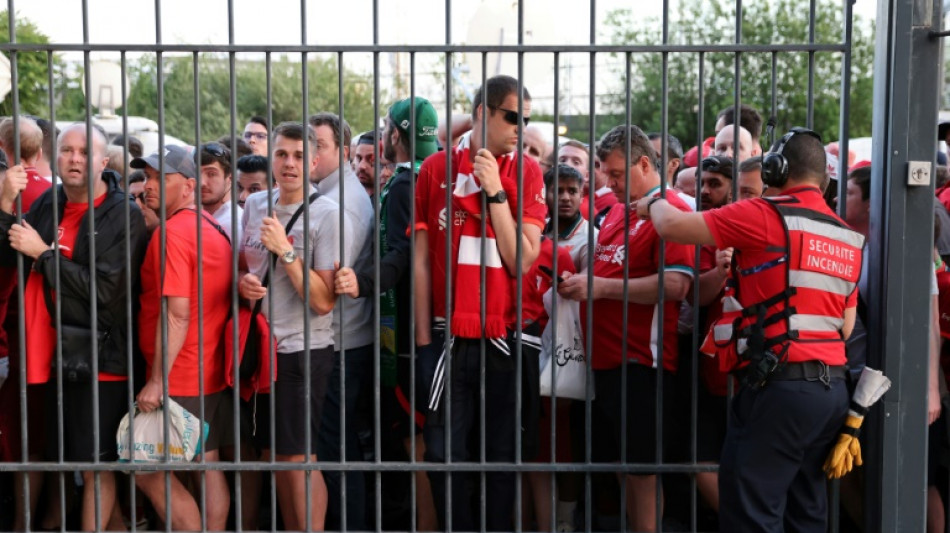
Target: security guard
[(796, 265)]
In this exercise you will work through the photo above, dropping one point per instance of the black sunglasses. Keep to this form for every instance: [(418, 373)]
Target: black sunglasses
[(511, 117)]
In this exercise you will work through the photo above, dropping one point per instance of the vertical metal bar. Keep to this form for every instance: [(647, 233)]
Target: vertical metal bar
[(129, 305), (21, 273), (57, 318), (199, 242), (625, 314), (519, 278), (163, 236), (308, 390), (238, 502), (413, 519), (843, 141), (93, 307), (450, 216), (664, 156), (694, 374), (737, 105), (810, 121), (844, 118), (554, 285), (341, 302), (591, 242), (377, 188), (483, 302), (773, 105), (271, 348)]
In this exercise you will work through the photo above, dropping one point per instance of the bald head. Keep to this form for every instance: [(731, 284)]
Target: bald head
[(535, 146), (686, 181), (99, 140), (726, 138), (31, 140)]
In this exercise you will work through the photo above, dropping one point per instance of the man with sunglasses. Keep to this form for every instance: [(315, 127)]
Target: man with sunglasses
[(216, 188), (194, 363), (485, 182), (255, 134)]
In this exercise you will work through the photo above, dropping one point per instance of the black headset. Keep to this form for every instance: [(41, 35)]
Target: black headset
[(774, 164)]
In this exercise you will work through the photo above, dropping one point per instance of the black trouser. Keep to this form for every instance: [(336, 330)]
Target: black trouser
[(770, 476), (464, 404)]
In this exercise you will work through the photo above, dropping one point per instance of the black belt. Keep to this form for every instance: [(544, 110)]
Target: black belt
[(805, 371)]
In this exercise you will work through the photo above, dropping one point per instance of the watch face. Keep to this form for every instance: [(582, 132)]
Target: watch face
[(289, 256)]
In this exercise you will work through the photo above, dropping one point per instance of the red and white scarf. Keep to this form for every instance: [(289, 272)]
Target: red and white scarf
[(467, 208)]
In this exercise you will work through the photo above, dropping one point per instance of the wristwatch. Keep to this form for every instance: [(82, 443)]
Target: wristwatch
[(499, 198), (288, 257)]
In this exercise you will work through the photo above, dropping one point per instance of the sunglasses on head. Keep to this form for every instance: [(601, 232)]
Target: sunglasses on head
[(213, 149), (511, 117), (711, 164)]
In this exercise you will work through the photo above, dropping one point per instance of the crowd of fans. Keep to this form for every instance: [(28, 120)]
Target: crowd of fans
[(316, 278)]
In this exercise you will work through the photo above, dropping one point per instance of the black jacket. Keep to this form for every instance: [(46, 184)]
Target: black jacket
[(394, 267), (112, 271)]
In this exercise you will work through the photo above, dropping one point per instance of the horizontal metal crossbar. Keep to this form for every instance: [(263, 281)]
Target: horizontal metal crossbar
[(434, 48)]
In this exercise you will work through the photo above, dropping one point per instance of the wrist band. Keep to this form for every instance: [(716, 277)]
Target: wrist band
[(651, 202)]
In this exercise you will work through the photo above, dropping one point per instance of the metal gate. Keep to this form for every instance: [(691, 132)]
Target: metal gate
[(360, 484)]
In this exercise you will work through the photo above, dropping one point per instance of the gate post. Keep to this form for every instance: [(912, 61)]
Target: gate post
[(901, 243)]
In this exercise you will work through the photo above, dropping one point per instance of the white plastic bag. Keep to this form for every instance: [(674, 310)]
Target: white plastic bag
[(186, 433), (567, 352)]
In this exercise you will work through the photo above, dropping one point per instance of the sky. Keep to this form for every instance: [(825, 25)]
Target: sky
[(401, 22)]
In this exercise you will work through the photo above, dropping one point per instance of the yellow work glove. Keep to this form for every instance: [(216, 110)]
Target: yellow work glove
[(847, 451)]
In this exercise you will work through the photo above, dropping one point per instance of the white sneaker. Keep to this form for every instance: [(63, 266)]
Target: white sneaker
[(564, 526)]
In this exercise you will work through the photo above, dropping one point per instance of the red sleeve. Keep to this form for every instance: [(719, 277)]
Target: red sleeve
[(852, 299), (535, 208), (564, 261), (740, 224), (422, 194), (179, 264), (680, 258)]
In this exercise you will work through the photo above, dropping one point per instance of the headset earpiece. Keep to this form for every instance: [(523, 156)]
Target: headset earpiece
[(774, 164)]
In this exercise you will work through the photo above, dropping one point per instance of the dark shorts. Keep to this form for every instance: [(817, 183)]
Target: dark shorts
[(218, 415), (10, 428), (290, 394), (711, 422), (78, 435), (641, 415), (255, 420)]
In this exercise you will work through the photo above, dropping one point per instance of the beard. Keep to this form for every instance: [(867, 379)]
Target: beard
[(389, 151)]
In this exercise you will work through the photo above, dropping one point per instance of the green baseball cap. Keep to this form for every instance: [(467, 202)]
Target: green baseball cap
[(426, 124)]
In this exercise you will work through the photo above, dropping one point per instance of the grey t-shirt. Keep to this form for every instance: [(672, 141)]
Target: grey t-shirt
[(355, 314), (324, 237)]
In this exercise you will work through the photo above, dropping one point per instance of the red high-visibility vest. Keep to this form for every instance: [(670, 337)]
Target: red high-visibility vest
[(811, 280)]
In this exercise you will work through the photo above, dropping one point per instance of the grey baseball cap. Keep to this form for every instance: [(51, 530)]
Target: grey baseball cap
[(178, 160)]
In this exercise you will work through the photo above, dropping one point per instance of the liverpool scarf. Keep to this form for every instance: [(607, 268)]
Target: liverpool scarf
[(467, 206)]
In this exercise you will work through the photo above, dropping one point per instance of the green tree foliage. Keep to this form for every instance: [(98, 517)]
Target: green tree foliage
[(32, 68), (251, 94), (712, 22)]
